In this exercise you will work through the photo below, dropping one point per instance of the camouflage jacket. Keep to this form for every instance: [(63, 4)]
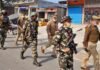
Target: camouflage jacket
[(62, 37), (34, 27), (6, 23), (30, 29)]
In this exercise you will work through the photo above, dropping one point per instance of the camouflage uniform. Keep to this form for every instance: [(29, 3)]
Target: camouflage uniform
[(3, 30), (20, 23), (60, 40), (31, 31)]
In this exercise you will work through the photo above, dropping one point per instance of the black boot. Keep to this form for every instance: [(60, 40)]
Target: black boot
[(2, 43), (36, 63), (3, 48), (22, 55), (54, 56)]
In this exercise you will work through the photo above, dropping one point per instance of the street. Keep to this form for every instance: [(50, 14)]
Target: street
[(10, 58)]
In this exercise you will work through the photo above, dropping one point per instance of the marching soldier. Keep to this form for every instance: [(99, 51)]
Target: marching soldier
[(31, 32), (60, 41), (20, 29), (92, 36), (52, 27), (4, 26)]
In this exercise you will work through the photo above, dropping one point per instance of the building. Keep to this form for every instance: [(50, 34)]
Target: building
[(81, 11), (91, 7), (45, 9), (76, 11), (23, 6)]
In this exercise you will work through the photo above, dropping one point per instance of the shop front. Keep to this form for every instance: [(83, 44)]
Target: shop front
[(76, 10)]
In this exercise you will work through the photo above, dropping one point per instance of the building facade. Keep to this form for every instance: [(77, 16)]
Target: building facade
[(91, 7), (45, 9), (76, 11)]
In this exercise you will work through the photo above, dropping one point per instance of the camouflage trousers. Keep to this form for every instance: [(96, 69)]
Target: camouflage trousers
[(3, 35), (65, 61), (33, 43), (19, 34)]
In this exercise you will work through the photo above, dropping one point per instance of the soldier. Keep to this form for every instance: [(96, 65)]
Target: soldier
[(20, 23), (52, 27), (31, 32), (92, 36), (4, 26), (60, 41)]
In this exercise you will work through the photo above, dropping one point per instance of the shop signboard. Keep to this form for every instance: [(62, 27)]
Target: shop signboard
[(75, 2)]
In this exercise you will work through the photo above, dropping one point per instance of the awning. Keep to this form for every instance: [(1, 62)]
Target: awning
[(34, 6), (46, 4)]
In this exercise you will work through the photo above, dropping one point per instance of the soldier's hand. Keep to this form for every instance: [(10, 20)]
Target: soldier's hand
[(85, 44), (65, 49)]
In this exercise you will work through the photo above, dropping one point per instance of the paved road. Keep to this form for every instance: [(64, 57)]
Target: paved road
[(10, 58)]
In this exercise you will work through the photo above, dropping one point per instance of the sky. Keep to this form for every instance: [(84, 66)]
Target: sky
[(56, 1)]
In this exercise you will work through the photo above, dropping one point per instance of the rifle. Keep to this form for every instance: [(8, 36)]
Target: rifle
[(71, 44)]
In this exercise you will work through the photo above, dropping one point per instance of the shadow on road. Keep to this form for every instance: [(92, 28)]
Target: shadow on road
[(90, 66), (46, 58), (14, 47)]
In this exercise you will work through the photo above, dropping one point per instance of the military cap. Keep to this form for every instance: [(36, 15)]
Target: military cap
[(66, 18)]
